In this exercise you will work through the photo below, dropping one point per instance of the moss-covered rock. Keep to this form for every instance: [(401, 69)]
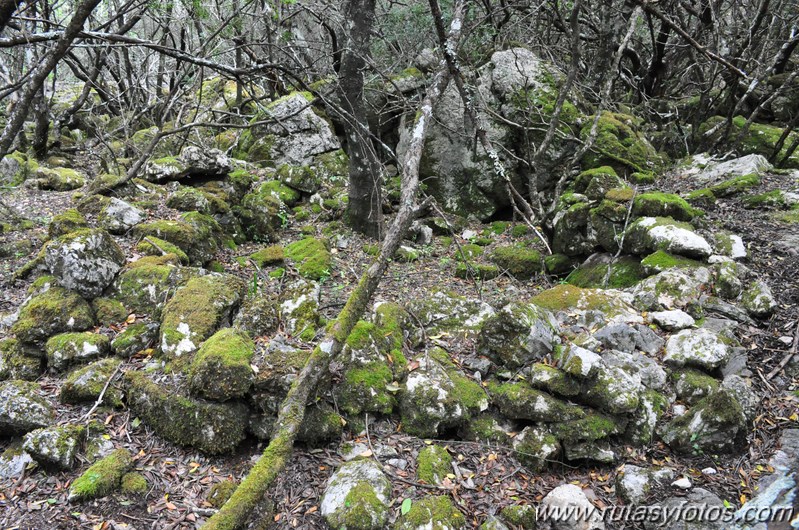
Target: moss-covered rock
[(17, 363), (759, 138), (109, 311), (614, 389), (620, 144), (144, 288), (320, 426), (272, 255), (311, 257), (658, 204), (521, 515), (432, 513), (191, 199), (522, 402), (86, 261), (758, 299), (357, 497), (536, 447), (154, 246), (58, 179), (133, 484), (692, 385), (517, 335), (277, 365), (406, 254), (582, 181), (261, 214), (22, 408), (51, 312), (433, 464), (613, 304), (468, 252), (66, 349), (701, 348), (118, 216), (448, 312), (558, 264), (649, 234), (195, 234), (521, 262), (437, 395), (102, 478), (220, 492), (199, 308), (641, 427), (299, 309), (716, 424), (769, 199), (57, 446), (87, 383), (480, 271), (735, 185), (210, 427), (593, 426), (221, 369), (553, 380), (660, 261), (620, 273), (573, 233), (66, 222), (134, 339)]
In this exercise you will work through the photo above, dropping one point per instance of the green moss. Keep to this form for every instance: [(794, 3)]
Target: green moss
[(51, 312), (221, 369), (143, 287), (519, 261), (658, 204), (643, 177), (433, 513), (558, 264), (406, 254), (221, 492), (618, 142), (620, 194), (134, 484), (522, 402), (523, 516), (563, 297), (661, 260), (702, 196), (553, 380), (582, 180), (178, 233), (692, 385), (280, 191), (109, 311), (272, 255), (41, 284), (304, 178), (197, 310), (479, 271), (592, 427), (433, 464), (769, 199), (16, 364), (67, 348), (735, 185), (66, 222), (362, 510), (498, 227), (468, 252), (101, 478), (623, 272), (790, 217), (277, 273), (371, 249), (149, 249), (311, 258)]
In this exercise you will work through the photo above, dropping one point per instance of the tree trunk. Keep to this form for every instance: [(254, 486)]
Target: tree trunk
[(7, 8), (17, 118), (237, 509), (364, 209)]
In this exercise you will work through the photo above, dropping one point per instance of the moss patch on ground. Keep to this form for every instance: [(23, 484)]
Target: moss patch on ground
[(311, 257)]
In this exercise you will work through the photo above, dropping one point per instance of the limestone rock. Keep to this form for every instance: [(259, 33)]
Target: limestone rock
[(537, 447), (53, 311), (649, 234), (119, 216), (634, 484), (193, 161), (86, 261), (56, 446), (701, 348), (67, 349), (715, 172), (758, 300), (674, 320), (559, 500), (518, 335), (22, 409), (715, 424), (357, 495)]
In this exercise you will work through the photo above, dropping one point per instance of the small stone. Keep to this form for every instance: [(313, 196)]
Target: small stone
[(683, 483), (709, 471), (563, 503), (674, 320), (696, 347), (758, 300), (357, 496)]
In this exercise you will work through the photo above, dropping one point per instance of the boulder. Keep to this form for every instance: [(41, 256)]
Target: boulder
[(536, 447), (22, 409), (758, 300), (221, 369), (197, 310), (448, 312), (58, 179), (102, 478), (84, 385), (672, 288), (437, 395), (66, 222), (54, 311), (299, 308), (135, 338), (432, 512), (118, 216), (715, 172), (518, 335), (634, 484), (57, 446), (210, 427), (86, 261), (701, 348), (18, 361), (519, 401), (716, 424), (357, 495), (674, 320), (192, 162), (67, 349), (567, 508), (649, 234)]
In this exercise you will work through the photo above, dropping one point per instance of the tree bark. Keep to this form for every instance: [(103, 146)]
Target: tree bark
[(40, 73), (364, 209), (7, 9), (237, 509)]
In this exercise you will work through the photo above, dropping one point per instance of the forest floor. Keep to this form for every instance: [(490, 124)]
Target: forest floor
[(489, 477)]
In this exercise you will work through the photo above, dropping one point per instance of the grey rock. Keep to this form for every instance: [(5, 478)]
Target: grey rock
[(560, 500), (336, 503), (696, 347), (517, 335), (697, 501), (85, 261), (13, 462), (741, 389), (674, 320), (56, 446), (634, 484), (119, 216), (759, 300), (715, 172), (22, 409)]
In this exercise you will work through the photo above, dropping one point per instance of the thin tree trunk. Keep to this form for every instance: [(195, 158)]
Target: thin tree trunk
[(7, 9), (235, 512), (17, 118), (365, 206)]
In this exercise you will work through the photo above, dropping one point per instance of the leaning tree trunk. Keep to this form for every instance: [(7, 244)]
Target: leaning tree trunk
[(40, 73), (237, 509), (364, 209)]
